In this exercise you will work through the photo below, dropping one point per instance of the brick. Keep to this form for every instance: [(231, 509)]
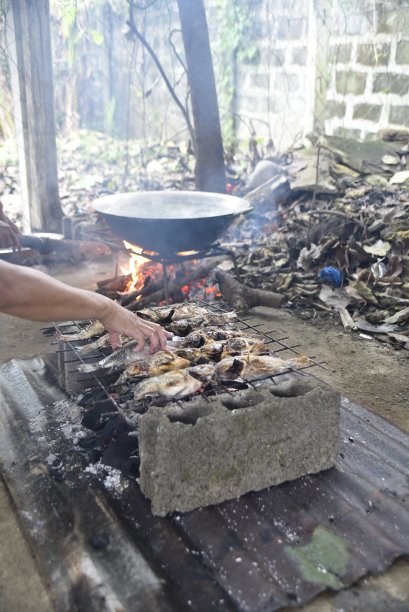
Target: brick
[(277, 57), (374, 55), (345, 22), (299, 56), (341, 54), (392, 19), (402, 52), (370, 112), (204, 453), (391, 83), (278, 103), (260, 80), (350, 82), (335, 109), (287, 82), (290, 29), (399, 115)]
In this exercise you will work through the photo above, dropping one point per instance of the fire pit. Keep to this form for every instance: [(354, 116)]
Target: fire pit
[(99, 547)]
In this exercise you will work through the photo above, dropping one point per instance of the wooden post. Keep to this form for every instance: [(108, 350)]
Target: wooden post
[(29, 49)]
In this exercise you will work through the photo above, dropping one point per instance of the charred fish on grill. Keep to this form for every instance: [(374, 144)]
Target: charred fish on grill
[(156, 364), (119, 358), (252, 366), (94, 329), (172, 385)]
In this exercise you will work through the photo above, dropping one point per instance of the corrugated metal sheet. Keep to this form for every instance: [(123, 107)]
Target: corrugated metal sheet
[(265, 551)]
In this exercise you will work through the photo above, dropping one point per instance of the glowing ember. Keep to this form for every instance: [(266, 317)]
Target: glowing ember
[(187, 253)]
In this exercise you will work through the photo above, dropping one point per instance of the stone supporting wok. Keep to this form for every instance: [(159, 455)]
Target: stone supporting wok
[(213, 450)]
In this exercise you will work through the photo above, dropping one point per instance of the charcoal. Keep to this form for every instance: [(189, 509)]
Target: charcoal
[(97, 417)]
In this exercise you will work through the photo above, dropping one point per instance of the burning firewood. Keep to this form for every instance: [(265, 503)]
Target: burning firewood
[(242, 298), (175, 285), (114, 284)]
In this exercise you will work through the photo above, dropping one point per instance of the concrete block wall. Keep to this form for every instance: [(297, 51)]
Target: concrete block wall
[(334, 66), (368, 68), (273, 90)]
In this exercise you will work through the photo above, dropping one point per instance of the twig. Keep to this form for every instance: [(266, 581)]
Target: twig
[(314, 193)]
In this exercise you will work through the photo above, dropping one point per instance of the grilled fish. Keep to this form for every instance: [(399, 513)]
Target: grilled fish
[(172, 385), (191, 354), (250, 366), (94, 329), (119, 358), (244, 344), (156, 364), (101, 342), (157, 314), (203, 372), (182, 327)]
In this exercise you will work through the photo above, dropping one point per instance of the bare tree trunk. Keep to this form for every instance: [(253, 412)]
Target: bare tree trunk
[(209, 171), (30, 48)]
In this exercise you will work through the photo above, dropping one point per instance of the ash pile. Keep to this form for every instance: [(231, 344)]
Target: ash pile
[(225, 410)]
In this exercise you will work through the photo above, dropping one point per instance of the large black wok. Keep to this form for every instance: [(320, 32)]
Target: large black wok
[(170, 221)]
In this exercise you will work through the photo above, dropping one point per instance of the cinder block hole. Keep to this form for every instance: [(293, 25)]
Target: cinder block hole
[(295, 389), (191, 415), (251, 399)]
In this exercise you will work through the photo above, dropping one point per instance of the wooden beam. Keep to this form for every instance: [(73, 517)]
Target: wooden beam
[(29, 47), (209, 170)]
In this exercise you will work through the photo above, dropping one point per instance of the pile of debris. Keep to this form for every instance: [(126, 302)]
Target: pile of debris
[(332, 238)]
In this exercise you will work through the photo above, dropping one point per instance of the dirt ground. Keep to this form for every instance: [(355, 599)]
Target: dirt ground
[(366, 371)]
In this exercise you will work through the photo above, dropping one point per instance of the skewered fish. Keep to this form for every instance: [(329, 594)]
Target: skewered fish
[(203, 372), (182, 327), (250, 366), (191, 354), (119, 358), (156, 364), (186, 311), (94, 329), (172, 385), (157, 314), (244, 344), (101, 342)]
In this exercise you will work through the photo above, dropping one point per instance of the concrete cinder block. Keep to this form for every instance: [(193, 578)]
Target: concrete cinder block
[(211, 451)]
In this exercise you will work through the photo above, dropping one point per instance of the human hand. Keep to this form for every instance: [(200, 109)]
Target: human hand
[(120, 321), (9, 237)]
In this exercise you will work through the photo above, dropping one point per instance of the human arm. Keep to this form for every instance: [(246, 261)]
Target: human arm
[(33, 295)]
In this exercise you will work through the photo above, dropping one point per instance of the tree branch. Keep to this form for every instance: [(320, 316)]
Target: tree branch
[(132, 25)]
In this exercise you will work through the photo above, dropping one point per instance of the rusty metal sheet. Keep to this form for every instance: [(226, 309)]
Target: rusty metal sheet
[(265, 551)]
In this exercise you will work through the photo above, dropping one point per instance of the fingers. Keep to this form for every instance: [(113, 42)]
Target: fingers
[(114, 340), (121, 321), (155, 333), (140, 342)]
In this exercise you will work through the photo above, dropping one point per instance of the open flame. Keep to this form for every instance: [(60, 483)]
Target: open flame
[(141, 269), (144, 271), (187, 253)]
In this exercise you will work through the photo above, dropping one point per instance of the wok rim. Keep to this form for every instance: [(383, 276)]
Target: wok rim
[(105, 205)]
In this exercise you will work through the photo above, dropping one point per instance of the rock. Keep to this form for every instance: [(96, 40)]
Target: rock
[(263, 171)]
